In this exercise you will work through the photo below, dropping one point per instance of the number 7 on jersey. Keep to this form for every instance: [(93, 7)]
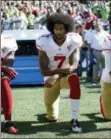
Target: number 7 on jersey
[(61, 59)]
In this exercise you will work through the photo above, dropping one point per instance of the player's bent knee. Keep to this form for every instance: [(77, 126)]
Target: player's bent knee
[(74, 84)]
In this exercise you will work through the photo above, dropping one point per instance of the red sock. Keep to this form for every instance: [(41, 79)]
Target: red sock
[(6, 98), (74, 84)]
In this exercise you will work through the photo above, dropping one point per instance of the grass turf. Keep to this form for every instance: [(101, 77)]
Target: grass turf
[(29, 115)]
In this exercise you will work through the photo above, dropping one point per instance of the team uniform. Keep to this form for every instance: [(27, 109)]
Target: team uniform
[(59, 58), (8, 45), (105, 99)]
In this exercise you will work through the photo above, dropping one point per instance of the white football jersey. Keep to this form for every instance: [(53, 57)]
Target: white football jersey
[(8, 44), (58, 55), (107, 54)]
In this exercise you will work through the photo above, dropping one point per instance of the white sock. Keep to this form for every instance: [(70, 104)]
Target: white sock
[(74, 108)]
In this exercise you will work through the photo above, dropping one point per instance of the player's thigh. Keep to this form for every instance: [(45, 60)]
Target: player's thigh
[(51, 94), (64, 83)]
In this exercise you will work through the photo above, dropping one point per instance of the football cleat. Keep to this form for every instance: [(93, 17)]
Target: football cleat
[(10, 128), (51, 121), (75, 126)]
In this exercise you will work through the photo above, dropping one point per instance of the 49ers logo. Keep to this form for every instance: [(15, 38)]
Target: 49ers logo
[(4, 50), (69, 47)]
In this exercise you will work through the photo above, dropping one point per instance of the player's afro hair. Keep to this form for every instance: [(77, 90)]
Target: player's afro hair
[(60, 18)]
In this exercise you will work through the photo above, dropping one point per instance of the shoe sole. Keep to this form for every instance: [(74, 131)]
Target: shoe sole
[(75, 131), (52, 121)]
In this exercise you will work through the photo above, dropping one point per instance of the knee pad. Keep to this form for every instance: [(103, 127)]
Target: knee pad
[(74, 84)]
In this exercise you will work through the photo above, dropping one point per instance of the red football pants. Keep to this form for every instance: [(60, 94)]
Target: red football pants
[(6, 98)]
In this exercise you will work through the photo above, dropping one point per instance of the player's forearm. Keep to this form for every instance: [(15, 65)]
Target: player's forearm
[(49, 72), (74, 59), (74, 64), (8, 62)]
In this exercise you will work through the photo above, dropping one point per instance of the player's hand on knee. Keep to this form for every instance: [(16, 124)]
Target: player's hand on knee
[(61, 75), (51, 80)]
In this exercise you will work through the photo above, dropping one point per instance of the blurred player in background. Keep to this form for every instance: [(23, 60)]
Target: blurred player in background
[(105, 98), (8, 48), (59, 57)]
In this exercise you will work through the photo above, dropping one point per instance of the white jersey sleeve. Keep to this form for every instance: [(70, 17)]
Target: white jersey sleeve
[(107, 55), (40, 41), (8, 44), (80, 40), (107, 52), (76, 38)]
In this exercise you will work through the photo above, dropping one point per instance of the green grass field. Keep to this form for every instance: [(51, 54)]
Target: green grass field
[(29, 115)]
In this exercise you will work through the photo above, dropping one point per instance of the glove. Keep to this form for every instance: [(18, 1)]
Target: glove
[(10, 72)]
